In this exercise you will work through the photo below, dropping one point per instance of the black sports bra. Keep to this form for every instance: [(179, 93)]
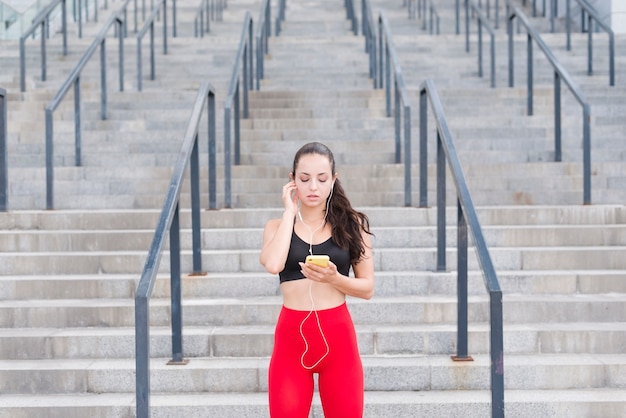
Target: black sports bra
[(298, 250)]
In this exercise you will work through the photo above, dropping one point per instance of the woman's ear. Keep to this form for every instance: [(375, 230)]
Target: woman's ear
[(291, 176)]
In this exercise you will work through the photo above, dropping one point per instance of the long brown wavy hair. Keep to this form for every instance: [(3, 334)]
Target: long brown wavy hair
[(347, 223)]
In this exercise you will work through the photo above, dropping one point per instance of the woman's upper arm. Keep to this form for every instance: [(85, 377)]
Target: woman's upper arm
[(365, 267), (270, 257)]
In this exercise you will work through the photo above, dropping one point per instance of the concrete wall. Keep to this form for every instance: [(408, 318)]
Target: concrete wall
[(612, 12), (618, 16)]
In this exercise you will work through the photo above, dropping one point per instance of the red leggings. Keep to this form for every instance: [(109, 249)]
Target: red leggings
[(340, 373)]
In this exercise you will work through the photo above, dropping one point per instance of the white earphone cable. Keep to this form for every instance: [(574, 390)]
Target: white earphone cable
[(313, 309)]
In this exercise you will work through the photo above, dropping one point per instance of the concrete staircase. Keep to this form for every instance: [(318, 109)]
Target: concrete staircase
[(68, 276)]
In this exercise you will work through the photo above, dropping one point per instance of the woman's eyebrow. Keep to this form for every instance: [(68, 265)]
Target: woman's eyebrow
[(303, 173)]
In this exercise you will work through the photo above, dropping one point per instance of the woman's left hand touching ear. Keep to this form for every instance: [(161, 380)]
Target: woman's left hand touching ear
[(320, 274)]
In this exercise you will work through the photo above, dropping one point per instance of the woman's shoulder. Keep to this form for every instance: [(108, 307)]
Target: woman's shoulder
[(272, 224)]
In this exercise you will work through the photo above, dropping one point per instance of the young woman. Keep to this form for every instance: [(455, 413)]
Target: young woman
[(315, 333)]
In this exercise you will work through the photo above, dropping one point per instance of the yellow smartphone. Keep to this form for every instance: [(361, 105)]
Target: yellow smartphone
[(318, 260)]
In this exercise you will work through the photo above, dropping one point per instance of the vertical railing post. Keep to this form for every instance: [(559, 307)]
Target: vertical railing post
[(249, 77), (259, 60), (467, 28), (396, 121), (165, 27), (237, 122), (78, 132), (611, 59), (529, 93), (194, 174), (590, 46), (586, 154), (212, 152), (43, 49), (152, 69), (461, 283), (492, 45), (557, 116), (174, 34), (480, 48), (175, 290), (142, 356), (139, 69), (80, 19), (497, 25), (22, 64), (381, 58), (496, 342), (456, 16), (103, 80), (227, 157), (247, 70), (568, 25), (136, 16), (64, 25), (510, 49), (387, 79), (49, 160), (441, 206), (373, 60), (407, 155), (423, 168), (120, 25), (4, 159)]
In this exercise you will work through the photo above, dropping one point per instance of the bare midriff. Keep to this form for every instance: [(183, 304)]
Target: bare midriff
[(296, 295)]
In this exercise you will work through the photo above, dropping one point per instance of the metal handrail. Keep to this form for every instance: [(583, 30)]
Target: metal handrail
[(482, 20), (42, 20), (351, 16), (592, 15), (534, 7), (418, 8), (242, 66), (207, 10), (487, 9), (263, 32), (369, 33), (466, 219), (559, 74), (168, 224), (387, 58), (74, 80), (149, 25), (467, 213), (280, 16), (4, 159)]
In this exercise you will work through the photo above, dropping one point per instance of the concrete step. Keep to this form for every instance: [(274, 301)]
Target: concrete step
[(252, 285), (541, 404), (114, 262), (256, 218), (259, 284), (411, 373), (434, 309), (250, 238), (241, 341)]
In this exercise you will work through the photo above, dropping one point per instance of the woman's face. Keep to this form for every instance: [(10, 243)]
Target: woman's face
[(314, 179)]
